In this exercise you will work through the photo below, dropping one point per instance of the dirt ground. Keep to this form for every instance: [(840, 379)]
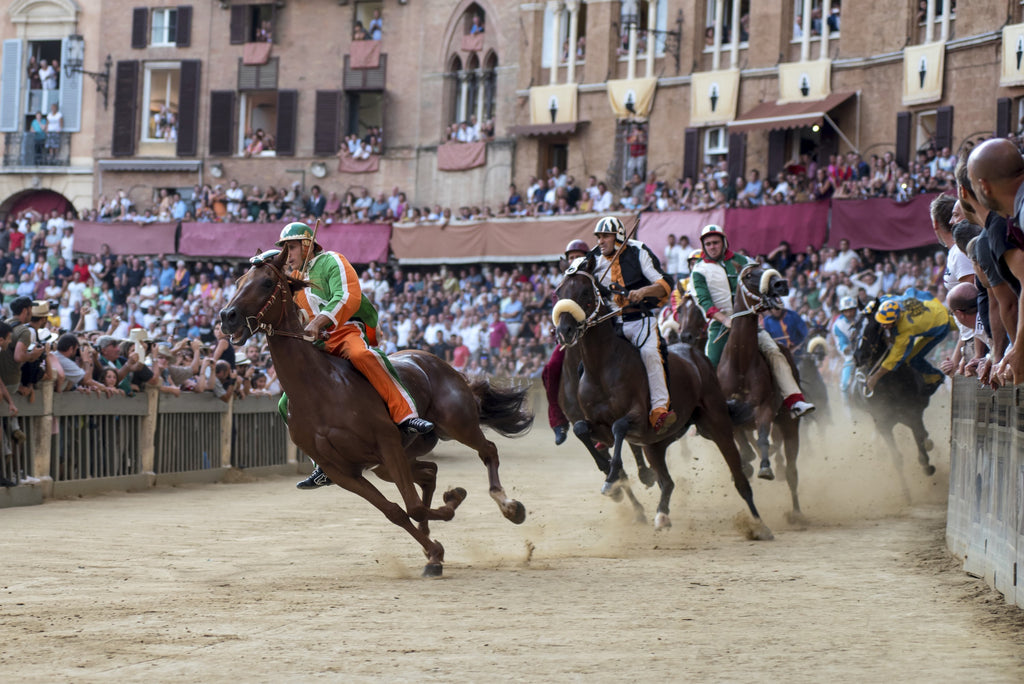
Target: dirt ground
[(256, 581)]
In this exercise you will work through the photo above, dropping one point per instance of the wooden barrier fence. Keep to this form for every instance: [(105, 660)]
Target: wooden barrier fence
[(70, 443)]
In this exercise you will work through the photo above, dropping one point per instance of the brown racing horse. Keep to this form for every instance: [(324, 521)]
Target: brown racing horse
[(614, 398), (338, 419), (745, 375), (568, 400), (684, 320)]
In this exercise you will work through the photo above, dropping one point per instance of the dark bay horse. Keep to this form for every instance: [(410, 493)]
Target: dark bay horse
[(338, 419), (900, 397), (685, 321), (745, 375), (614, 398), (568, 400)]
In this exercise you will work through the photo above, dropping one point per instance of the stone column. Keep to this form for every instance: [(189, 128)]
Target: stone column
[(556, 8), (574, 27)]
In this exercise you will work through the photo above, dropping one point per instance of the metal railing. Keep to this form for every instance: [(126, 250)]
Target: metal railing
[(28, 149)]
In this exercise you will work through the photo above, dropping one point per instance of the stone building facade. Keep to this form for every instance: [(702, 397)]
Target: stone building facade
[(596, 87)]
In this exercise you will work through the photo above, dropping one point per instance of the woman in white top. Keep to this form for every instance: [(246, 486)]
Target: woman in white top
[(54, 125)]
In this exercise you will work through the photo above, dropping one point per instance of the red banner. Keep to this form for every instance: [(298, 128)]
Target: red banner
[(655, 227), (882, 224), (457, 156), (360, 243), (347, 164), (125, 238), (760, 230), (256, 53), (364, 54), (498, 240)]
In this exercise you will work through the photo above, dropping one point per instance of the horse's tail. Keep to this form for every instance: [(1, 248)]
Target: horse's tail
[(502, 409), (740, 412)]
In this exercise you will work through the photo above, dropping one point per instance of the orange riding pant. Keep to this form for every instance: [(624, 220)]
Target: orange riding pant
[(349, 340)]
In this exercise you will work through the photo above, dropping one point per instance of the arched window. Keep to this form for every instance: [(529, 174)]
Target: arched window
[(472, 89), (453, 93), (490, 85)]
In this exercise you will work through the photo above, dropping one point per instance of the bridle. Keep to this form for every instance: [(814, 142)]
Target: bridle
[(256, 324), (592, 319), (757, 302)]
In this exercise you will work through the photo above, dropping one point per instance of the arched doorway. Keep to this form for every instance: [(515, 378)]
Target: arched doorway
[(42, 201)]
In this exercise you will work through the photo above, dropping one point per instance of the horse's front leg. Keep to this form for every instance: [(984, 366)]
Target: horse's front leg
[(922, 441), (619, 430), (656, 455), (647, 475), (582, 431)]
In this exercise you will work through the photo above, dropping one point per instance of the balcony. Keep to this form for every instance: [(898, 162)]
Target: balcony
[(22, 149)]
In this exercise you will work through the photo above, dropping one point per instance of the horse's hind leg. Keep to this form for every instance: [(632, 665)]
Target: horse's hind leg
[(467, 431), (790, 430), (885, 429), (656, 455), (922, 441), (717, 426), (646, 475), (358, 484)]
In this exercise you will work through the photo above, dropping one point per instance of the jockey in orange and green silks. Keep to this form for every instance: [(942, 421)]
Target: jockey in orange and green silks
[(333, 300)]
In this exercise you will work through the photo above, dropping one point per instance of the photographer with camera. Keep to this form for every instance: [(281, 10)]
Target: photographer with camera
[(219, 378), (71, 375), (131, 371)]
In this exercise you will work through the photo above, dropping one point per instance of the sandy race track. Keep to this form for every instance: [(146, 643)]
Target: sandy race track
[(256, 581)]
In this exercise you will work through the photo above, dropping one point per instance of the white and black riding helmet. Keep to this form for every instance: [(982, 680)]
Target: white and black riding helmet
[(714, 229), (610, 224)]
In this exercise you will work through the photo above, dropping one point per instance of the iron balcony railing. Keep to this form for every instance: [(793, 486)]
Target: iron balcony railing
[(26, 149)]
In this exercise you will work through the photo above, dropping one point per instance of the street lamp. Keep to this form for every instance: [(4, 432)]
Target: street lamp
[(74, 60)]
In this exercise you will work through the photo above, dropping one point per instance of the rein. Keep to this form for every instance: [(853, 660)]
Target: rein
[(256, 324)]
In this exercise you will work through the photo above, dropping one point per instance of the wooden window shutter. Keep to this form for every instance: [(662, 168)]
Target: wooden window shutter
[(776, 155), (183, 30), (70, 93), (222, 119), (140, 26), (11, 118), (1004, 115), (126, 90), (737, 155), (903, 124), (943, 128), (238, 17), (691, 153), (287, 114), (327, 121), (188, 108)]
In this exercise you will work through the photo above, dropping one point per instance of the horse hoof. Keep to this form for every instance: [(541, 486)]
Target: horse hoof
[(765, 473), (748, 470), (647, 476), (662, 522), (929, 470), (796, 518), (763, 533), (455, 496), (515, 511), (612, 489), (433, 570), (928, 445)]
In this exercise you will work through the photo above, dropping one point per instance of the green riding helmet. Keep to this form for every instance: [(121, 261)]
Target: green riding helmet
[(295, 231)]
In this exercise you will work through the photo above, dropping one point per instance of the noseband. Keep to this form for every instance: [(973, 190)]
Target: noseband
[(256, 324)]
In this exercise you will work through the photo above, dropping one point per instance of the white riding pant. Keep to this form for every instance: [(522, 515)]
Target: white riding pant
[(781, 370), (643, 334)]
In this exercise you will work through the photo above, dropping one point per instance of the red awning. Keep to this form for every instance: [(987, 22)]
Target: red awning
[(772, 115)]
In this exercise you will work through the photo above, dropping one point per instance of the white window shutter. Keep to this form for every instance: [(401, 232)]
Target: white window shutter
[(10, 86), (70, 94)]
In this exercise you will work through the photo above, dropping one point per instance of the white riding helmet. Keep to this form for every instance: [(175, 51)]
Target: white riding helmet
[(713, 229), (610, 224), (847, 303)]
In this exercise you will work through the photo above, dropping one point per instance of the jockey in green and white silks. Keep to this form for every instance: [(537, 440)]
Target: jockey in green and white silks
[(714, 281)]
